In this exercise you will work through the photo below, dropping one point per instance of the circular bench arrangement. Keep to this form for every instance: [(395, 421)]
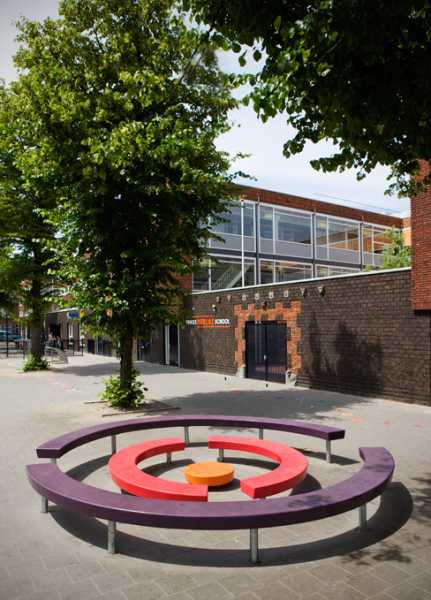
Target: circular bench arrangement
[(54, 485)]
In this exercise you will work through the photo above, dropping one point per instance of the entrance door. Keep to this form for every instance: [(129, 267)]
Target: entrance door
[(172, 349), (266, 355)]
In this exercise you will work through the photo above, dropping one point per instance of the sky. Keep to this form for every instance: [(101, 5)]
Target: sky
[(263, 142)]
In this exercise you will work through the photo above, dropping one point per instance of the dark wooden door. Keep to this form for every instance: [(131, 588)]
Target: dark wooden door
[(266, 354)]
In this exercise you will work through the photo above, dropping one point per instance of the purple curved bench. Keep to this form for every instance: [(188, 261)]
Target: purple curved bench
[(56, 447), (54, 485), (368, 483)]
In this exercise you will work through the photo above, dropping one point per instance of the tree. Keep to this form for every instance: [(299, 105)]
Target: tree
[(397, 254), (131, 100), (357, 73), (25, 258)]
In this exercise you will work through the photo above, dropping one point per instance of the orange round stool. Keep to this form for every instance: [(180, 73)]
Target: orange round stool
[(213, 474)]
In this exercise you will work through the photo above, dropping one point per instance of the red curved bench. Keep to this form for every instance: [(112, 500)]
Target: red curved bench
[(126, 474), (290, 472)]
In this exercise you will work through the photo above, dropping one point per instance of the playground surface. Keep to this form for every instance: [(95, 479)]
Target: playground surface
[(62, 555)]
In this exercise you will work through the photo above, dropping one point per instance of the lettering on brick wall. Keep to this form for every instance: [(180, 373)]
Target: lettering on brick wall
[(208, 322)]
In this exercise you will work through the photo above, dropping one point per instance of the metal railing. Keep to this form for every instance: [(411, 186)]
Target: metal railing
[(23, 347)]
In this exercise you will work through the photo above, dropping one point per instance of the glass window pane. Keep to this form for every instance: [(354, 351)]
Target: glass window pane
[(226, 273), (266, 271), (322, 271), (249, 274), (233, 221), (367, 238), (289, 271), (381, 240), (343, 235), (248, 220), (321, 230), (200, 277), (266, 219), (332, 270), (292, 228)]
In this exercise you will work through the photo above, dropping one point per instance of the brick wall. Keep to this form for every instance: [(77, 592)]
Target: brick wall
[(358, 334), (421, 247)]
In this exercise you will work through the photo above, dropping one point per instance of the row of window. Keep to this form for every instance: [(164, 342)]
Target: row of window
[(289, 233), (218, 273)]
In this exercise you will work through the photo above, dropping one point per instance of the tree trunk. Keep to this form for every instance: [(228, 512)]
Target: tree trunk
[(36, 322), (126, 359)]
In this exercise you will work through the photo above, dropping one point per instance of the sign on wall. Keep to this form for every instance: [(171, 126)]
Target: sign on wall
[(208, 322), (73, 314)]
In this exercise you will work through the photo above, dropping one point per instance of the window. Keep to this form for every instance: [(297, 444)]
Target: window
[(266, 216), (381, 240), (290, 227), (343, 235), (274, 271), (232, 224), (226, 272), (201, 277), (230, 230), (218, 273), (266, 271), (321, 231), (375, 240), (332, 270), (337, 239)]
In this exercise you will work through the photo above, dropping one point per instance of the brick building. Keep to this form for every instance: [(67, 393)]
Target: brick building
[(300, 306), (289, 294)]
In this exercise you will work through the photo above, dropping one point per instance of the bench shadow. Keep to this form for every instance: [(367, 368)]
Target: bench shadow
[(394, 511)]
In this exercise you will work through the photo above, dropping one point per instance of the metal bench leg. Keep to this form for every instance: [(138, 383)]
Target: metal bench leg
[(186, 435), (363, 517), (112, 526), (53, 460), (261, 433), (113, 444), (44, 507), (254, 546), (169, 457), (328, 451), (220, 454)]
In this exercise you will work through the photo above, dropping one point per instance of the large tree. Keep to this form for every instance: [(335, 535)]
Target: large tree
[(132, 101), (26, 260), (357, 73)]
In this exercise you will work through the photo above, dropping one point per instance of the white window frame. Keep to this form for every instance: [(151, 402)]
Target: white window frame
[(358, 225), (373, 227), (241, 260), (350, 269), (275, 260)]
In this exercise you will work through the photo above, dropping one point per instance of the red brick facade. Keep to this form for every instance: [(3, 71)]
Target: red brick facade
[(335, 210), (421, 247)]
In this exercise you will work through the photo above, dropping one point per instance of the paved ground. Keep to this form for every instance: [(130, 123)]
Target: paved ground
[(62, 555)]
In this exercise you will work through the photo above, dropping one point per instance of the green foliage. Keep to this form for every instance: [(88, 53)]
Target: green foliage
[(397, 254), (34, 363), (25, 259), (357, 73), (118, 394), (129, 101)]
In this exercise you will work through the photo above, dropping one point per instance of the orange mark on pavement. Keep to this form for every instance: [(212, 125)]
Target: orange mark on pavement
[(212, 474)]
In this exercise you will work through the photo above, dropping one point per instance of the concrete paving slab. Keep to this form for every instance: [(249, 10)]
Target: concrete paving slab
[(62, 555)]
